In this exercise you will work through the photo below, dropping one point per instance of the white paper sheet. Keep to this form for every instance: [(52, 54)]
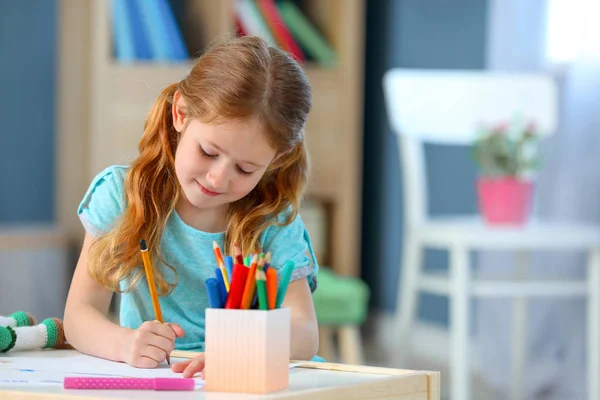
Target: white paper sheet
[(32, 369), (43, 370)]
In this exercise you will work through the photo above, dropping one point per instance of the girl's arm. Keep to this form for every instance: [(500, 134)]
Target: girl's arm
[(87, 326), (304, 330), (89, 330)]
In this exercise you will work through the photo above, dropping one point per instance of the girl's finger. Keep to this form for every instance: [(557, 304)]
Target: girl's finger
[(180, 366), (145, 362), (194, 367), (177, 329), (155, 353), (161, 342)]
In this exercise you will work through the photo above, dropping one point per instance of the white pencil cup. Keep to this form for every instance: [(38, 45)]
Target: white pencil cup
[(247, 351)]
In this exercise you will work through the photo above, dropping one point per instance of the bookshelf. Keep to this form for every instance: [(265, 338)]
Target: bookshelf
[(108, 102)]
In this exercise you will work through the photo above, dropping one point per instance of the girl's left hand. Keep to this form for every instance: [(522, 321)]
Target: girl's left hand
[(189, 368)]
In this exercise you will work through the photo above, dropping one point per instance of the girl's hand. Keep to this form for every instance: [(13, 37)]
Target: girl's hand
[(148, 346), (189, 368)]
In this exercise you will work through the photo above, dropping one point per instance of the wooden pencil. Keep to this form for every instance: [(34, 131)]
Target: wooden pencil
[(221, 263), (152, 285), (250, 288), (271, 287), (239, 258)]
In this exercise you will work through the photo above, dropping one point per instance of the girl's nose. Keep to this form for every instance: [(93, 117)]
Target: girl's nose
[(218, 177)]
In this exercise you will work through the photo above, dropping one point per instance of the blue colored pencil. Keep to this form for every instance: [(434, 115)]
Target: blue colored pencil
[(229, 267), (221, 285), (214, 296)]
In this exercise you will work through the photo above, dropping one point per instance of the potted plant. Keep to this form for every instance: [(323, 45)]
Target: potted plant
[(506, 155)]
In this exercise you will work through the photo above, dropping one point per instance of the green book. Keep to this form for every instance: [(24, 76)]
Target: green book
[(307, 35)]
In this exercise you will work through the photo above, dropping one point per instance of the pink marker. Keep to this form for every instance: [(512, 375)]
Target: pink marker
[(77, 382)]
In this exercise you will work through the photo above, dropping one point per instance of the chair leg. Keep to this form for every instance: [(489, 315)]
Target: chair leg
[(519, 333), (351, 350), (326, 346), (459, 323), (593, 325), (407, 297)]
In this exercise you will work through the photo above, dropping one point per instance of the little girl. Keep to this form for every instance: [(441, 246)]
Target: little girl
[(222, 159)]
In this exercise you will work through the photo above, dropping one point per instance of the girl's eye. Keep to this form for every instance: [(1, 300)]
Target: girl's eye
[(241, 171), (205, 154)]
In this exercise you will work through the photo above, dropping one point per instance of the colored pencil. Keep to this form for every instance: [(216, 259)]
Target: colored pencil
[(152, 285), (250, 285), (238, 284), (229, 268), (221, 263), (237, 252), (214, 297), (286, 275), (261, 290), (271, 275), (221, 285)]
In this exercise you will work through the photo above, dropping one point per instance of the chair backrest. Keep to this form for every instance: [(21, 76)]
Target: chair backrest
[(447, 106)]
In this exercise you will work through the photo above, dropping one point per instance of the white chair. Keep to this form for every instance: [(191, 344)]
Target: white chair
[(444, 107)]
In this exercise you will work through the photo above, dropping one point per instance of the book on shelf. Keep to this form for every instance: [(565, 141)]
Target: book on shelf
[(149, 30), (145, 30), (284, 24), (282, 34), (253, 23), (307, 34)]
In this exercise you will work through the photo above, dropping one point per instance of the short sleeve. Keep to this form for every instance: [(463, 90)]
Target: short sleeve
[(292, 242), (104, 201)]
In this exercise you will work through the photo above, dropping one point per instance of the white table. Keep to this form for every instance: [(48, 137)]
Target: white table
[(308, 381)]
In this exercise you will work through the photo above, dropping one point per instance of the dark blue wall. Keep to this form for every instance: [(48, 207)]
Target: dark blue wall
[(413, 34), (27, 88)]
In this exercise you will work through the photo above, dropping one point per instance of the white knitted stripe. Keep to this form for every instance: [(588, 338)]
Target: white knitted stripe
[(31, 337), (7, 321)]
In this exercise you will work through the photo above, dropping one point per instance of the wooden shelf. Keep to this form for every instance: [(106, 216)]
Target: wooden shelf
[(120, 96)]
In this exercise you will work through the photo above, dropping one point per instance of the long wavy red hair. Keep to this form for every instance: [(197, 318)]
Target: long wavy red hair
[(240, 78)]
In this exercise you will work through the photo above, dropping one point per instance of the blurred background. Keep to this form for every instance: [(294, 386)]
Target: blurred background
[(403, 284)]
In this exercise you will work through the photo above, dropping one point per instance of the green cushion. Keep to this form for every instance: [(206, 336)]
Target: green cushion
[(340, 300)]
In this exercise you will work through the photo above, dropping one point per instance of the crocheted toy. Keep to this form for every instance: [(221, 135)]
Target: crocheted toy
[(19, 318), (18, 336)]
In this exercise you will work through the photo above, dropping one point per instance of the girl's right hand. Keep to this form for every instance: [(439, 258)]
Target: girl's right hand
[(148, 346)]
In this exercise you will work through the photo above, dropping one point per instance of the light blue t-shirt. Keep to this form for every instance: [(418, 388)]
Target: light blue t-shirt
[(190, 251)]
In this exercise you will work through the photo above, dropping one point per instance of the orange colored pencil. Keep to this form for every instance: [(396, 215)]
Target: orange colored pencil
[(239, 258), (221, 263), (250, 288), (152, 285), (271, 287)]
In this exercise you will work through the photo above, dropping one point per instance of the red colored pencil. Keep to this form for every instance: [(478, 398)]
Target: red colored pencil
[(250, 288), (239, 258), (238, 283)]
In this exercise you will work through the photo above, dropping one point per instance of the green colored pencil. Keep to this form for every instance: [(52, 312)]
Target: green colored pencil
[(286, 275), (261, 288)]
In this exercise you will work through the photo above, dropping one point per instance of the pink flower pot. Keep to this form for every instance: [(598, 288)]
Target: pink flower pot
[(504, 200)]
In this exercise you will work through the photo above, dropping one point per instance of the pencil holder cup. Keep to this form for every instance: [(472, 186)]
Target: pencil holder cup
[(247, 351)]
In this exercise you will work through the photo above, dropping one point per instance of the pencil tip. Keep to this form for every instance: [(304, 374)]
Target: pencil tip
[(143, 245)]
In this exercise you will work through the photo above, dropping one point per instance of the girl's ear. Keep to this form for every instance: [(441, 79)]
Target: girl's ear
[(178, 112)]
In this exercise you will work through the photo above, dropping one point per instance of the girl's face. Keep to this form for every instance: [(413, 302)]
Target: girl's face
[(217, 164)]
